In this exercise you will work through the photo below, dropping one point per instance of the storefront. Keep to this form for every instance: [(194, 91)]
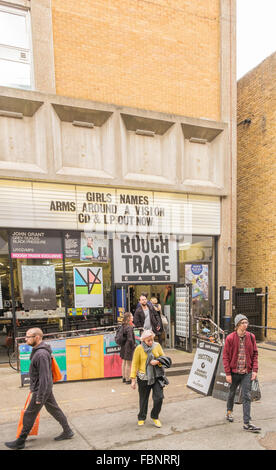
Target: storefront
[(74, 256)]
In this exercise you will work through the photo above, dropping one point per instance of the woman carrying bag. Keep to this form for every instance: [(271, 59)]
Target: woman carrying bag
[(150, 376), (127, 347)]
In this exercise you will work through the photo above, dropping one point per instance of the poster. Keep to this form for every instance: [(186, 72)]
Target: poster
[(36, 244), (197, 275), (39, 287), (145, 258), (88, 287), (204, 367), (112, 360), (94, 247), (58, 350), (72, 244)]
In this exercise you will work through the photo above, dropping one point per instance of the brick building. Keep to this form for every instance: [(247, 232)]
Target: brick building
[(116, 117), (256, 184)]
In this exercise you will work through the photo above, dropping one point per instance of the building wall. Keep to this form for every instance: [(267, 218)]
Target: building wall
[(256, 183), (165, 66), (161, 55)]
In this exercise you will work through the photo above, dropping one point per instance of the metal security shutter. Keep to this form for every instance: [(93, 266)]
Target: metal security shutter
[(205, 214)]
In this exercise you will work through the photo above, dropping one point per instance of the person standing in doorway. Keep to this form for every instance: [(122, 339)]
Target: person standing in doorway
[(127, 348), (240, 361), (146, 316), (41, 385), (158, 309)]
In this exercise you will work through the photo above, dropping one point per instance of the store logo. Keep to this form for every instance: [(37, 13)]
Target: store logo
[(89, 283)]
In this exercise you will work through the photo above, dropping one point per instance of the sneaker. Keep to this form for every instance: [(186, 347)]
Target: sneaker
[(157, 423), (141, 422), (65, 435), (18, 444), (229, 417), (251, 427)]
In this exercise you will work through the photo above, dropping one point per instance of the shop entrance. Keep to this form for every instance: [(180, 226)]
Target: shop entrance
[(127, 296)]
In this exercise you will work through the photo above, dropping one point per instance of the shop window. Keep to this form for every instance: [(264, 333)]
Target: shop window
[(88, 279), (196, 268), (15, 48), (6, 326)]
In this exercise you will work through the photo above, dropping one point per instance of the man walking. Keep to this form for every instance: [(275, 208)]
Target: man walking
[(146, 316), (41, 384), (240, 361)]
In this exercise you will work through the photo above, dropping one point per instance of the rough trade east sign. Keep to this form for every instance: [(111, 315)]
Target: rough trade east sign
[(141, 258)]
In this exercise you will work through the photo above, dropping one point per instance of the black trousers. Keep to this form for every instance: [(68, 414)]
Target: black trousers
[(33, 410), (246, 383), (144, 393)]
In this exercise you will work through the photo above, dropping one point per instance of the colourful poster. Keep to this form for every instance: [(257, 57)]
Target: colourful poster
[(197, 275), (85, 357), (59, 352), (88, 287), (94, 247), (112, 360)]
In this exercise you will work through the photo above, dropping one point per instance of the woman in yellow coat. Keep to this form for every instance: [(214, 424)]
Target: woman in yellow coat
[(144, 362)]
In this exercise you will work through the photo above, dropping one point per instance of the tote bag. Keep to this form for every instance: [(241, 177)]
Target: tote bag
[(57, 375), (34, 430)]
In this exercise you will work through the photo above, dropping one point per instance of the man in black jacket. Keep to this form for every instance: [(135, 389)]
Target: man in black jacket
[(146, 316), (41, 385)]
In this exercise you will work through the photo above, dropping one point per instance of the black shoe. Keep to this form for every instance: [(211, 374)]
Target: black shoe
[(65, 435), (251, 427), (123, 380), (128, 382), (16, 445)]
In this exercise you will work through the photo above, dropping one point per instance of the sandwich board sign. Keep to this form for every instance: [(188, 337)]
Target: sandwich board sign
[(204, 367)]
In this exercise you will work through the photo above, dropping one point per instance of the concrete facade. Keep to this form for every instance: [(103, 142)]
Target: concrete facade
[(168, 71), (256, 180)]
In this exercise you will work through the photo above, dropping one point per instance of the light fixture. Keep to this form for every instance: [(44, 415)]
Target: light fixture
[(145, 132), (11, 114), (197, 140), (90, 125)]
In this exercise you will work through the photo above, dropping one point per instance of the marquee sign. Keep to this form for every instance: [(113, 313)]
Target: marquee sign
[(98, 209)]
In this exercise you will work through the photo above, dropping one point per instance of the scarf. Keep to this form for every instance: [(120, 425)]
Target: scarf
[(150, 370)]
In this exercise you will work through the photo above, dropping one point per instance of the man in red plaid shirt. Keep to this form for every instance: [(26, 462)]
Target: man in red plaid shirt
[(240, 361)]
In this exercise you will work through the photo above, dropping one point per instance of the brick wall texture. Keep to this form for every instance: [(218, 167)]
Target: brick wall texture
[(256, 183), (161, 55)]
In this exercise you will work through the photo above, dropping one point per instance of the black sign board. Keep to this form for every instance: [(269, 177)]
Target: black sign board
[(221, 387), (36, 244)]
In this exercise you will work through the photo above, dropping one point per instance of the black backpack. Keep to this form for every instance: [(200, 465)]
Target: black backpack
[(120, 337)]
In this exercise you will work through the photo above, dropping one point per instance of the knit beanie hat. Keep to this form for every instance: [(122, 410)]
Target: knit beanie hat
[(239, 317), (147, 334)]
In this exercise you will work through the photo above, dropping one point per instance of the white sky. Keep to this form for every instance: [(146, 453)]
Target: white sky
[(256, 33)]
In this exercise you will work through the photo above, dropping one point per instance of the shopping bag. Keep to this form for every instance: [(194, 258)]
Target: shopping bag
[(255, 390), (57, 375), (34, 430)]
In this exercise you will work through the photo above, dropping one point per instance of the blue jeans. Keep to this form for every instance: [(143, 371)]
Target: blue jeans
[(245, 381)]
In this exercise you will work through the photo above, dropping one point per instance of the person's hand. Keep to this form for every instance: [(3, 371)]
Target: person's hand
[(229, 379), (153, 362), (158, 328), (254, 375), (133, 384), (38, 402)]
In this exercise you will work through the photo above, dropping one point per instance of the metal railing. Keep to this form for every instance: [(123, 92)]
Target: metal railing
[(215, 331)]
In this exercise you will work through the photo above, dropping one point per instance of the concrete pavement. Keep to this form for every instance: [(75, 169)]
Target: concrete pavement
[(103, 415)]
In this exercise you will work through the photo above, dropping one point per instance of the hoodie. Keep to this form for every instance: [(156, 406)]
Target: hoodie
[(41, 380)]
